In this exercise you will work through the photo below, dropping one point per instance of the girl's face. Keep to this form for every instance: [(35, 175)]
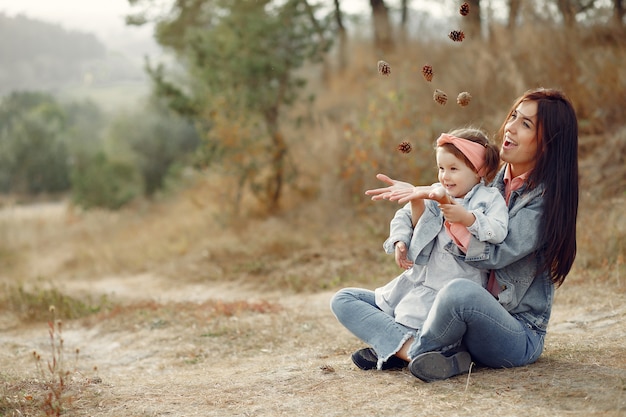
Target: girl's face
[(455, 176), (519, 146)]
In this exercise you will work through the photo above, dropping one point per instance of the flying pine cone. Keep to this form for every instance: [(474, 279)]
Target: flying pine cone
[(427, 71), (457, 35), (464, 10), (384, 68), (463, 99), (404, 147), (440, 97)]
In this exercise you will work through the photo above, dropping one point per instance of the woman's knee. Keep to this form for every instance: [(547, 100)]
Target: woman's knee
[(460, 291)]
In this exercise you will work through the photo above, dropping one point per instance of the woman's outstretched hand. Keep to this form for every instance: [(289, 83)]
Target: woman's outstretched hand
[(420, 192), (385, 193)]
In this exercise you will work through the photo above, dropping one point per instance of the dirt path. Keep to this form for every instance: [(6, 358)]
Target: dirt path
[(175, 348), (173, 362)]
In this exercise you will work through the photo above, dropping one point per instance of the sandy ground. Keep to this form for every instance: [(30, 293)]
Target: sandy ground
[(177, 350), (296, 362)]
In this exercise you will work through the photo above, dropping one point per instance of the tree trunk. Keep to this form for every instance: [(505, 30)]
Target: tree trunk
[(274, 186), (618, 14), (567, 11), (383, 39), (342, 48), (404, 20), (474, 27), (514, 6)]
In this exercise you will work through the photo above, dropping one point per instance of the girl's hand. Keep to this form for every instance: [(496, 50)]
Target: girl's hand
[(440, 195), (401, 253), (455, 213), (386, 192)]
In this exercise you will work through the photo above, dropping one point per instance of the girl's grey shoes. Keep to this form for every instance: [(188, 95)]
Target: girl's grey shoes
[(367, 359), (435, 366)]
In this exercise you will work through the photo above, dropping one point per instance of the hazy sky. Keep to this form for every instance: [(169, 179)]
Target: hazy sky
[(105, 18), (85, 15)]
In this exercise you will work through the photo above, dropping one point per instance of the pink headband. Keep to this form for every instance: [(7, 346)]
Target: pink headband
[(475, 152)]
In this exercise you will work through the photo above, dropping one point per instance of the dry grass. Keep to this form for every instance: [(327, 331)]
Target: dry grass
[(250, 344), (167, 359), (209, 313)]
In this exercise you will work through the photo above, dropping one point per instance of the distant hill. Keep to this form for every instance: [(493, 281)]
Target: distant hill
[(36, 55)]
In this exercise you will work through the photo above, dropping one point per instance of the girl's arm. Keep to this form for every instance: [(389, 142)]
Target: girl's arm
[(522, 239), (400, 229), (417, 209), (416, 196), (491, 218)]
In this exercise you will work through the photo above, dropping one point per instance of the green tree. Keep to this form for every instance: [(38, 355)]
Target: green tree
[(155, 139), (240, 61), (33, 155), (86, 124), (99, 181)]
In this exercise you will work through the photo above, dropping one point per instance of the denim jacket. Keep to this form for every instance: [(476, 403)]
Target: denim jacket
[(487, 205), (525, 294)]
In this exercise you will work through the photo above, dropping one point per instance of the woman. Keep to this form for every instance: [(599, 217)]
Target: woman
[(503, 326)]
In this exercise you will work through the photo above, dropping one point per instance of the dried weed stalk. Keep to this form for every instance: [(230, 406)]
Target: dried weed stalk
[(54, 374)]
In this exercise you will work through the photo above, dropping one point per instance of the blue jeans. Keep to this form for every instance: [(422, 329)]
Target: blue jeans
[(356, 309), (463, 312)]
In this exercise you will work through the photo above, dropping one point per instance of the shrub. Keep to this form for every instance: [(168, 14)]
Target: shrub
[(98, 181)]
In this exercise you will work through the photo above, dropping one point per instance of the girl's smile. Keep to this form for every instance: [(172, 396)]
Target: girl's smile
[(455, 176)]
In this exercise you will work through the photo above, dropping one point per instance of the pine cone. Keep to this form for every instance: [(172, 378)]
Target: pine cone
[(427, 71), (457, 35), (463, 99), (384, 68), (464, 10), (404, 147), (440, 97)]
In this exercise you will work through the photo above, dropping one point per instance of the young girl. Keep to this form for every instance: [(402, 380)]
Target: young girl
[(418, 234)]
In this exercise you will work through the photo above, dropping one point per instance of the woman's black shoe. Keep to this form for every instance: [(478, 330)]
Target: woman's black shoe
[(367, 359)]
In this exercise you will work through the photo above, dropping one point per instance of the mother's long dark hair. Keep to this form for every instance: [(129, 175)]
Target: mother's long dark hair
[(557, 170)]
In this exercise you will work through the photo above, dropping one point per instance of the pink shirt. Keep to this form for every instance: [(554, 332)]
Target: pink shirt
[(512, 184)]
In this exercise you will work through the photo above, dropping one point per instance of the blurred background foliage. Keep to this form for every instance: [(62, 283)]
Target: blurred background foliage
[(242, 151), (281, 100)]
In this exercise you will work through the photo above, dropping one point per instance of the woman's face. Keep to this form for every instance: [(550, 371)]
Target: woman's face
[(519, 146)]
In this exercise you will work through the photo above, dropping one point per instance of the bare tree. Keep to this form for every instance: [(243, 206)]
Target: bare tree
[(383, 38), (566, 7), (343, 37), (570, 8), (618, 7), (474, 28), (514, 7), (404, 19)]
